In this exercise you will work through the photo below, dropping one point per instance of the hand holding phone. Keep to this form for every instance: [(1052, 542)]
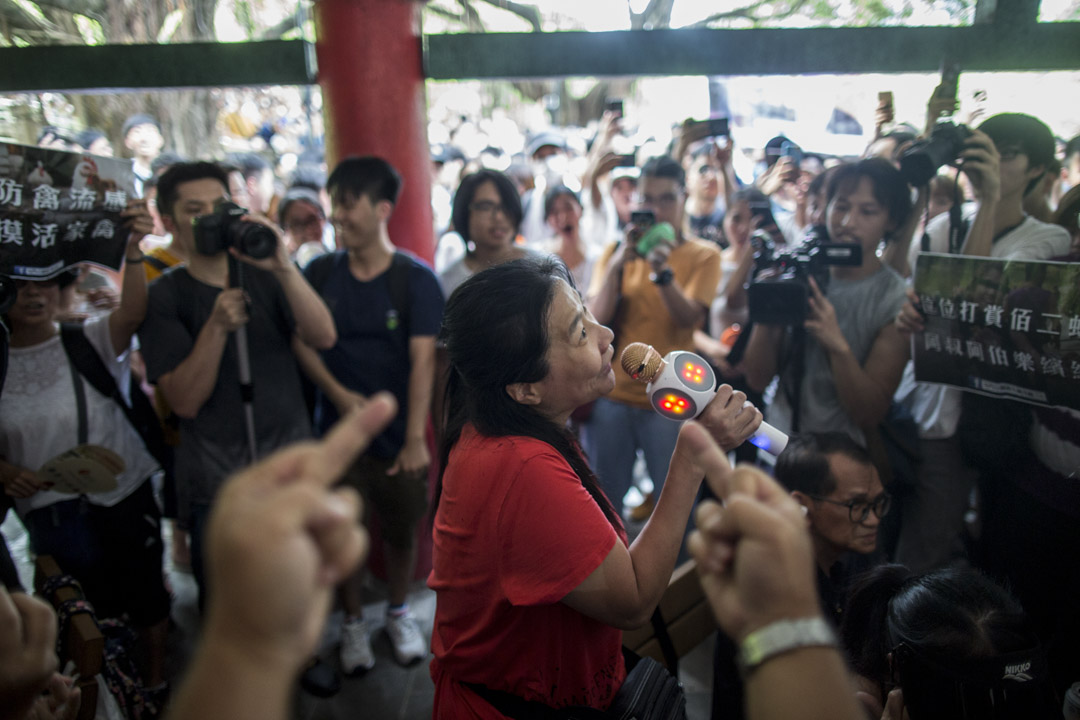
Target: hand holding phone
[(885, 113)]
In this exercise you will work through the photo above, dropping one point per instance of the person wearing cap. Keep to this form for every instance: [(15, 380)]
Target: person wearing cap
[(547, 155), (143, 139), (95, 142), (301, 216)]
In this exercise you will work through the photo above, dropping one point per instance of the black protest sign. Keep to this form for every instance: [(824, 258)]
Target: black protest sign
[(60, 208), (1002, 328)]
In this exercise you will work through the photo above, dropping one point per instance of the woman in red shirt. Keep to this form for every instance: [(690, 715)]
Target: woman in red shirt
[(532, 570)]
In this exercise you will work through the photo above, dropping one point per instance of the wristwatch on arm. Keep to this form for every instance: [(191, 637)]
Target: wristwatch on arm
[(781, 637), (664, 277)]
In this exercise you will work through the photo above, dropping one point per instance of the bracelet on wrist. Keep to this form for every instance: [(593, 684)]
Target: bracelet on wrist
[(781, 637), (135, 260)]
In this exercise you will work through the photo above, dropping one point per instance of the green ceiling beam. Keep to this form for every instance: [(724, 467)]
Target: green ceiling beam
[(1027, 46), (987, 47), (210, 64)]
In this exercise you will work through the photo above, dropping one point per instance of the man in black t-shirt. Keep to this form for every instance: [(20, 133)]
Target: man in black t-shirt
[(189, 345)]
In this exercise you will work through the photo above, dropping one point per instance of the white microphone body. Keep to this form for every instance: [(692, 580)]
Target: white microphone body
[(683, 387)]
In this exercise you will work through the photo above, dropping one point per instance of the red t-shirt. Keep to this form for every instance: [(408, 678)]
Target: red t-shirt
[(515, 532)]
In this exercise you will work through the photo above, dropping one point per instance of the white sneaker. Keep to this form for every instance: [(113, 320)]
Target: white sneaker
[(356, 654), (405, 636)]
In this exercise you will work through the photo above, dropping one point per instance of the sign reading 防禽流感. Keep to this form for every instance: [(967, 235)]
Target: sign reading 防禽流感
[(60, 208)]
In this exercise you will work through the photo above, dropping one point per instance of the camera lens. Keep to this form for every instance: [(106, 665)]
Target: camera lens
[(255, 240)]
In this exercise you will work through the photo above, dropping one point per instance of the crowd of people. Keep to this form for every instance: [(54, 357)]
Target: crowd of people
[(850, 583)]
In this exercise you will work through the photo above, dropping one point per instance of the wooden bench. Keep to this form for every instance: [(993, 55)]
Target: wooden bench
[(83, 643), (685, 613)]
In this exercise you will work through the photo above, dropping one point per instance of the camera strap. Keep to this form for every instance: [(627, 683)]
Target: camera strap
[(797, 359)]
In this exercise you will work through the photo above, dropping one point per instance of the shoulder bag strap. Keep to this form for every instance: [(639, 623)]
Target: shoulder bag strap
[(72, 338), (85, 363), (398, 282)]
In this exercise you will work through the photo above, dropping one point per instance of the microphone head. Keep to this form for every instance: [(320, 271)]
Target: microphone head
[(641, 362)]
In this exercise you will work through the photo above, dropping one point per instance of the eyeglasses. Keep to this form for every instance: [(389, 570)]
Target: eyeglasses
[(488, 207), (859, 510), (312, 221)]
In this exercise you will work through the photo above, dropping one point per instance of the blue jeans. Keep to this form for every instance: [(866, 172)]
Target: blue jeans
[(612, 437)]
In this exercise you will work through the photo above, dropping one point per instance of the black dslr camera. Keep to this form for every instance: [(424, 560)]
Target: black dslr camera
[(921, 161), (223, 229), (784, 298)]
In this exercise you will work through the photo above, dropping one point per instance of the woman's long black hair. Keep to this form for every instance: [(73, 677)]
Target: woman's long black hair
[(953, 634), (495, 330)]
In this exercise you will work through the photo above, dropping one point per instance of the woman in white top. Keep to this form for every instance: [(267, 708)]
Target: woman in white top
[(487, 215), (109, 540)]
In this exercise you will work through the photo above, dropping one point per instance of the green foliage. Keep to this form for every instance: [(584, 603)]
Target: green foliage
[(90, 30)]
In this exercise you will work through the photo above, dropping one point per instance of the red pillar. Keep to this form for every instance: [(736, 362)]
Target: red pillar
[(371, 72)]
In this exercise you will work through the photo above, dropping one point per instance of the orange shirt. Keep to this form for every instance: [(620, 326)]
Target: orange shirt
[(642, 315)]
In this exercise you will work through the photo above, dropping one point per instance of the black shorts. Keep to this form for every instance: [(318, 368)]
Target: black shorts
[(400, 501)]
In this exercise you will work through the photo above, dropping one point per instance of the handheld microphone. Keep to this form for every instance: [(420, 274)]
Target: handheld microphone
[(681, 384)]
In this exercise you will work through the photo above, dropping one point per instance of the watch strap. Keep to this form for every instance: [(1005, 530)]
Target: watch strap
[(781, 637)]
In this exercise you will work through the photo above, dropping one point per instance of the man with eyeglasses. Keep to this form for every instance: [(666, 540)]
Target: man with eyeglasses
[(833, 478), (301, 216), (660, 300)]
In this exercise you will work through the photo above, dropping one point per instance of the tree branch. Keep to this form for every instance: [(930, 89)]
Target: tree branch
[(530, 13), (749, 13), (19, 19), (276, 31), (90, 8), (657, 14), (443, 12), (472, 18)]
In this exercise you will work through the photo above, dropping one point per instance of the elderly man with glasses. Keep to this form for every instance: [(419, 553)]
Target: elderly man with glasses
[(832, 477)]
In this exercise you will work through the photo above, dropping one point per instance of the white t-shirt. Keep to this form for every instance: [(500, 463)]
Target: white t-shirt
[(937, 407), (38, 417)]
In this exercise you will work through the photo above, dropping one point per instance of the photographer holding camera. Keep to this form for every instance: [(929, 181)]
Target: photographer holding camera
[(191, 350), (844, 376), (1003, 159), (658, 295)]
